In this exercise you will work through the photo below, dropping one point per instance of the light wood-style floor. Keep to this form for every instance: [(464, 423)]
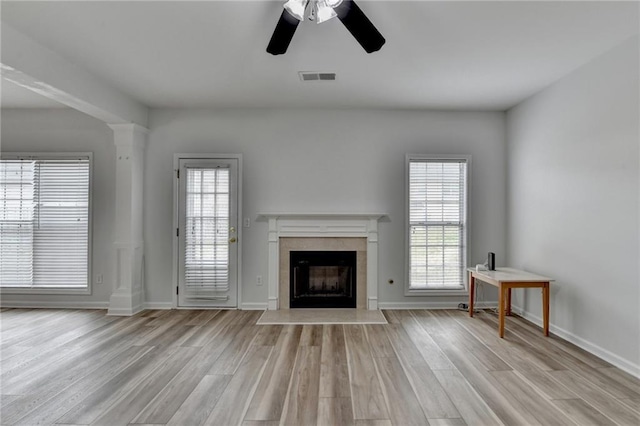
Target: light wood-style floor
[(217, 367)]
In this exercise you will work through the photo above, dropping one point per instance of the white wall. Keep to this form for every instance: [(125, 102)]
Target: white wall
[(298, 161), (324, 161), (60, 130), (573, 196)]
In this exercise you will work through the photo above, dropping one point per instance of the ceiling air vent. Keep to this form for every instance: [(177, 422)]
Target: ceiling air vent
[(317, 76)]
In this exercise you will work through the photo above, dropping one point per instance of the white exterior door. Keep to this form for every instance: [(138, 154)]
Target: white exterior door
[(208, 232)]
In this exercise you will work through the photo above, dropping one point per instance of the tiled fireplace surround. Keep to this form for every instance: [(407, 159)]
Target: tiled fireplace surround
[(335, 232)]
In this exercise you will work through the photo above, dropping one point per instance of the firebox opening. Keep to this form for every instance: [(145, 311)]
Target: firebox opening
[(322, 279)]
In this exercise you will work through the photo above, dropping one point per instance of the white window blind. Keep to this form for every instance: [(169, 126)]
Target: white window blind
[(207, 230), (437, 216), (16, 223), (44, 223)]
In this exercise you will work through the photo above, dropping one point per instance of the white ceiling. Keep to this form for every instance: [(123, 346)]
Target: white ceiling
[(446, 55)]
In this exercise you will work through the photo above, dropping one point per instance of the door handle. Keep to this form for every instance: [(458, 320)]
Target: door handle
[(232, 240)]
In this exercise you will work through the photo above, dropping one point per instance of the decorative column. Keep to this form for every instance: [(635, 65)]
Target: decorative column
[(128, 292)]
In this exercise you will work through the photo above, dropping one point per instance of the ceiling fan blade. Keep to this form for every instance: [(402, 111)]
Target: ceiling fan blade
[(283, 34), (359, 26)]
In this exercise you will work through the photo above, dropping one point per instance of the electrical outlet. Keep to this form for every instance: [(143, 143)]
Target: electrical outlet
[(247, 222), (99, 279), (259, 280)]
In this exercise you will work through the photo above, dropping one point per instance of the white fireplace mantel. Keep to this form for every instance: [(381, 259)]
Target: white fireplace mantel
[(340, 225)]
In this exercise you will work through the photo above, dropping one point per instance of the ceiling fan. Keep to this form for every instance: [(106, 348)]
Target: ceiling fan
[(322, 10)]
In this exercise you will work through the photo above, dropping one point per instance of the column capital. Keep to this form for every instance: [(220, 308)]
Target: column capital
[(130, 127), (129, 134)]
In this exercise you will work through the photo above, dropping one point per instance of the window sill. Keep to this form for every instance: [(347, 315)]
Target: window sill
[(437, 292), (58, 290)]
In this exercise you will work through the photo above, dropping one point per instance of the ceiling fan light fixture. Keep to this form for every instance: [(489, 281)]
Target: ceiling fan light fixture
[(333, 3), (324, 11), (347, 11), (296, 8)]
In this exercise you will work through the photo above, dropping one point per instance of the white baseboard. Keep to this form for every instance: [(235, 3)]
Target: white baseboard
[(432, 305), (610, 357), (169, 305), (254, 306), (158, 305), (44, 304), (84, 305)]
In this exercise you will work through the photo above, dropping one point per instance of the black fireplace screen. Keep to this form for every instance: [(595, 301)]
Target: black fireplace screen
[(323, 279)]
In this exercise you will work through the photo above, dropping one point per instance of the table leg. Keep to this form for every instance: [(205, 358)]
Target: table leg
[(508, 302), (472, 291), (501, 292), (545, 308)]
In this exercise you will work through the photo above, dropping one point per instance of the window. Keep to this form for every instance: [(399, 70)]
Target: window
[(44, 222), (437, 224)]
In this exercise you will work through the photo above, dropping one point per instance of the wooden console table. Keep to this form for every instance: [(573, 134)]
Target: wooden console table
[(505, 279)]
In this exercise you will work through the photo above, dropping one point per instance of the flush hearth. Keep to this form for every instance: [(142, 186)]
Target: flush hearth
[(322, 279)]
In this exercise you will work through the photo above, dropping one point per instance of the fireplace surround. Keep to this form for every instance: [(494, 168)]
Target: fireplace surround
[(318, 232)]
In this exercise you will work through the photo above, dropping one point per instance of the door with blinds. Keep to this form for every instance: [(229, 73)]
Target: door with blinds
[(208, 233)]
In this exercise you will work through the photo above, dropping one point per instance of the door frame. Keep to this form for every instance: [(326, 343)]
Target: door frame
[(176, 222)]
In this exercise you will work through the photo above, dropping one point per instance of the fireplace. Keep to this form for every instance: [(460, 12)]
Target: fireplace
[(322, 279), (322, 231)]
